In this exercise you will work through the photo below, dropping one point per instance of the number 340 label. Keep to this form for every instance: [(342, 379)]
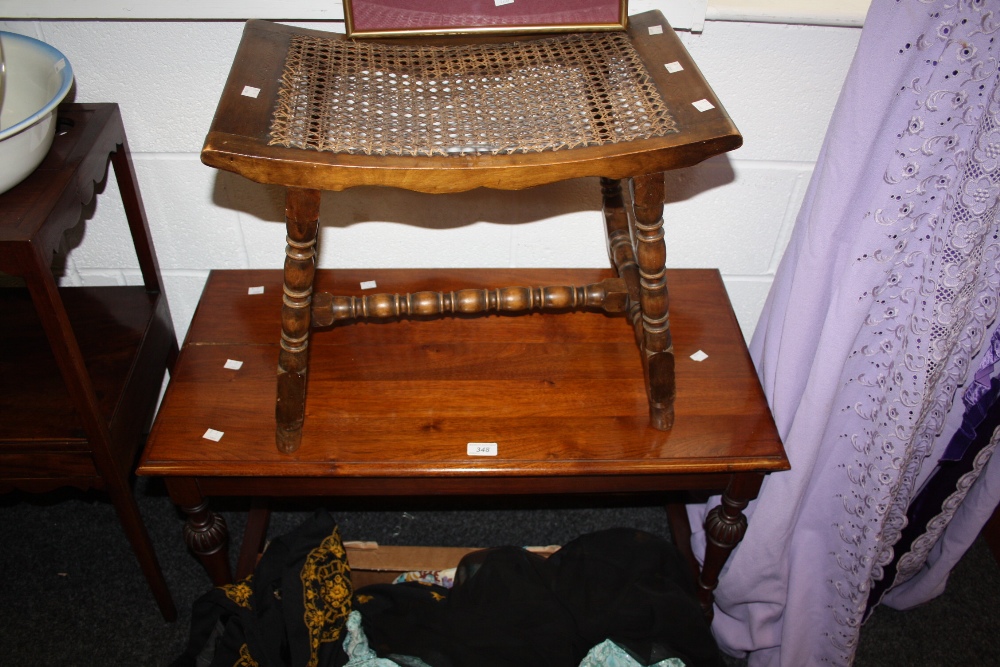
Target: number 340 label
[(482, 449)]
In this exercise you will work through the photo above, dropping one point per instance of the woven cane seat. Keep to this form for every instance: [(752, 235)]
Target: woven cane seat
[(561, 92), (318, 110)]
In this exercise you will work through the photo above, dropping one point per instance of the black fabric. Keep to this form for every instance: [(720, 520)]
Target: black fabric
[(290, 612), (510, 607)]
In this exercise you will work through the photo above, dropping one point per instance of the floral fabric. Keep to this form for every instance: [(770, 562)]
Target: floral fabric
[(444, 578)]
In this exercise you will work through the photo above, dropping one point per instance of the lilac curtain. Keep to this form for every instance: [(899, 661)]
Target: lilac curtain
[(880, 317)]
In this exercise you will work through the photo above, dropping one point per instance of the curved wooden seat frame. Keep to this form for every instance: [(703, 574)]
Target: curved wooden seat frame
[(241, 141)]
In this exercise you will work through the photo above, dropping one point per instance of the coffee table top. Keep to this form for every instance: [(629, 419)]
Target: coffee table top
[(559, 395)]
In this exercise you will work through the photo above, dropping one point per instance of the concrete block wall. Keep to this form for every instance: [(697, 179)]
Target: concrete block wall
[(779, 83)]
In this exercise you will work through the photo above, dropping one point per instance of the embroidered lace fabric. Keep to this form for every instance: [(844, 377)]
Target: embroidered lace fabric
[(941, 260), (914, 556), (880, 312)]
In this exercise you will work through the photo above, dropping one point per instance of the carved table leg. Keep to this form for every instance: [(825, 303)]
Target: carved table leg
[(302, 224), (725, 527), (205, 532), (651, 254)]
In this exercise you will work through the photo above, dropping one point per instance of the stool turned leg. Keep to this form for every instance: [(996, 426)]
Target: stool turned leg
[(651, 255), (302, 225), (618, 235), (620, 249)]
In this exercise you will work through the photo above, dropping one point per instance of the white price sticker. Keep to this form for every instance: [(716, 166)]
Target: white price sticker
[(233, 364), (369, 284), (699, 356), (482, 449), (656, 30), (500, 3), (256, 290), (250, 91), (674, 67), (703, 105), (213, 435)]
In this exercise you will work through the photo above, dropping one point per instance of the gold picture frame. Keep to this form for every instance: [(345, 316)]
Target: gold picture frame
[(400, 18)]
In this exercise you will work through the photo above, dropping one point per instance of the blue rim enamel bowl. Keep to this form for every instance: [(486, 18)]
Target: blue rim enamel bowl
[(36, 78)]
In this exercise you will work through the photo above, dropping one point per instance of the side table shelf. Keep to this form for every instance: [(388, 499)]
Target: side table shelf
[(80, 367)]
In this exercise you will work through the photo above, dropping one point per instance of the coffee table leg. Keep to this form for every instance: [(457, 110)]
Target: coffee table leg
[(302, 225), (725, 527), (651, 254), (205, 532)]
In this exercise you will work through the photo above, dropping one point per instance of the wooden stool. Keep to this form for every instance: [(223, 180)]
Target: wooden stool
[(316, 111)]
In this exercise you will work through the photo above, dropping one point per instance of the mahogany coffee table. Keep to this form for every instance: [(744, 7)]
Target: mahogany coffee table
[(489, 406)]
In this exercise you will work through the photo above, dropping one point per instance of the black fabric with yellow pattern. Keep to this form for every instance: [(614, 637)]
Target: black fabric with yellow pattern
[(291, 611)]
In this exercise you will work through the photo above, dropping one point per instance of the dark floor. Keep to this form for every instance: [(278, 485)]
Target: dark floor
[(72, 594)]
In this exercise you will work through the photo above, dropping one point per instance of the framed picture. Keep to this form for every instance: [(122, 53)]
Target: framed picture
[(391, 18)]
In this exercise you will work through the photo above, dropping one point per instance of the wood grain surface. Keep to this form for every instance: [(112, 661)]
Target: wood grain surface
[(561, 395)]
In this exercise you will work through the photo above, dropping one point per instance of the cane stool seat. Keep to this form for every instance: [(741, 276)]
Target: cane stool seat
[(315, 111), (565, 91)]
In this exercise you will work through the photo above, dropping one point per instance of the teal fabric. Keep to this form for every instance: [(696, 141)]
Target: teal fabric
[(361, 655), (610, 654), (605, 654), (357, 649)]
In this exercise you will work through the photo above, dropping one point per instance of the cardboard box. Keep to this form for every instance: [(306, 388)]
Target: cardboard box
[(372, 563)]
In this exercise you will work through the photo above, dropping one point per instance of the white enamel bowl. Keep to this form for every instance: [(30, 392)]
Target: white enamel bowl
[(36, 79)]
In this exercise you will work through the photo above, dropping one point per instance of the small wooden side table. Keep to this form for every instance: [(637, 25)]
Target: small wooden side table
[(80, 368), (409, 408)]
